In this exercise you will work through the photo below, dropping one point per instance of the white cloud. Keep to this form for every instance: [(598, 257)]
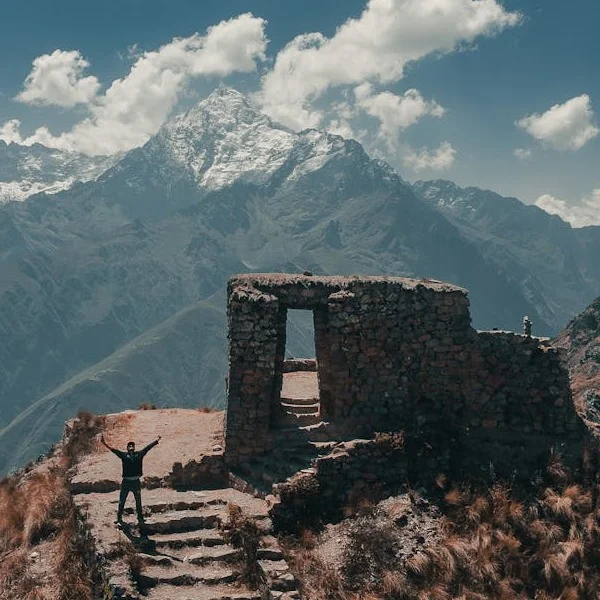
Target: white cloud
[(364, 52), (133, 52), (374, 47), (567, 126), (523, 154), (585, 212), (395, 113), (439, 159), (9, 131), (58, 79), (133, 108)]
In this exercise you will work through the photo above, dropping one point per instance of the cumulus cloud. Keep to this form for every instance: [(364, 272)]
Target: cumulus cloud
[(364, 54), (133, 108), (439, 159), (523, 154), (58, 79), (567, 126), (585, 212), (395, 112), (374, 47), (9, 131)]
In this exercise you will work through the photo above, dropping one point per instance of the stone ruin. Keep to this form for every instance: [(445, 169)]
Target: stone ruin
[(397, 354)]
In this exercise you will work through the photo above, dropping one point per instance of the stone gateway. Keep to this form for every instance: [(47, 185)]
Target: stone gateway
[(397, 354)]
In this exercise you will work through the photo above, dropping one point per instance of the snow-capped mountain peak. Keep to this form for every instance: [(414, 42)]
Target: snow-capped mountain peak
[(225, 139), (448, 196), (28, 170)]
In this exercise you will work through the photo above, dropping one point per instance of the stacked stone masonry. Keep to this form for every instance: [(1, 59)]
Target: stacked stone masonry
[(396, 354), (353, 470)]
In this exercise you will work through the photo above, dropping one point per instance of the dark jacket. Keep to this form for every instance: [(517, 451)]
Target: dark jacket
[(132, 463)]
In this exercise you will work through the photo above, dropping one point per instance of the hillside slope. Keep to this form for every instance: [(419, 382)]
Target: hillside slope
[(179, 363), (581, 340), (553, 264)]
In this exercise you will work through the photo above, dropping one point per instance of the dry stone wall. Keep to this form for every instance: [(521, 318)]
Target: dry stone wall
[(353, 470), (253, 352), (396, 354)]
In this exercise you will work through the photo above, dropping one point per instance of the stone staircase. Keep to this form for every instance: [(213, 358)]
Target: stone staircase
[(300, 406), (299, 435), (182, 554)]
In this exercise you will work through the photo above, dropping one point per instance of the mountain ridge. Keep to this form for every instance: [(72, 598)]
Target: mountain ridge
[(29, 170), (548, 259)]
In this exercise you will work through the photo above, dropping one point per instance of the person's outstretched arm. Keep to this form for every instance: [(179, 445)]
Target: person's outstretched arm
[(150, 445), (113, 450)]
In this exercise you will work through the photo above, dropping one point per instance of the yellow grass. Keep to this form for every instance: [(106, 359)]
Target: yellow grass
[(36, 508)]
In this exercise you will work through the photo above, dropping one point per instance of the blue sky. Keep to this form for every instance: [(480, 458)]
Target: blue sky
[(465, 91)]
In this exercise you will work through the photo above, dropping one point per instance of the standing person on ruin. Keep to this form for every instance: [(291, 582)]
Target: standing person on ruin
[(132, 472)]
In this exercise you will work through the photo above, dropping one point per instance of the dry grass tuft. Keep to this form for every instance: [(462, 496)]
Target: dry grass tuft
[(81, 437), (556, 471), (16, 582), (420, 567), (455, 497), (37, 508), (244, 533), (319, 581), (12, 515), (477, 511), (501, 543), (147, 406), (441, 481), (393, 584), (41, 492)]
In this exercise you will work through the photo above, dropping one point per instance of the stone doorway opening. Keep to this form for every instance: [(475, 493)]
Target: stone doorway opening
[(300, 334), (297, 398)]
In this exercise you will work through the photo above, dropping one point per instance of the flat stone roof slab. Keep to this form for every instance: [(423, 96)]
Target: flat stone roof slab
[(337, 282)]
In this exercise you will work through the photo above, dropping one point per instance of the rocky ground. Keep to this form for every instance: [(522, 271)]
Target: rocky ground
[(581, 341), (186, 435), (413, 521)]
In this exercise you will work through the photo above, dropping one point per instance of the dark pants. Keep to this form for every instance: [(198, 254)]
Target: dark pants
[(131, 485)]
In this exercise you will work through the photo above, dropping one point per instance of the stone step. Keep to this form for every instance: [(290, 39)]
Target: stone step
[(270, 553), (299, 401), (301, 409), (156, 560), (203, 556), (270, 468), (287, 435), (313, 449), (278, 572), (186, 574), (191, 539), (161, 507), (181, 520), (165, 591), (290, 419)]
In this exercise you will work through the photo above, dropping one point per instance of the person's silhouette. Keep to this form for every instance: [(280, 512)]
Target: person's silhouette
[(132, 472)]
